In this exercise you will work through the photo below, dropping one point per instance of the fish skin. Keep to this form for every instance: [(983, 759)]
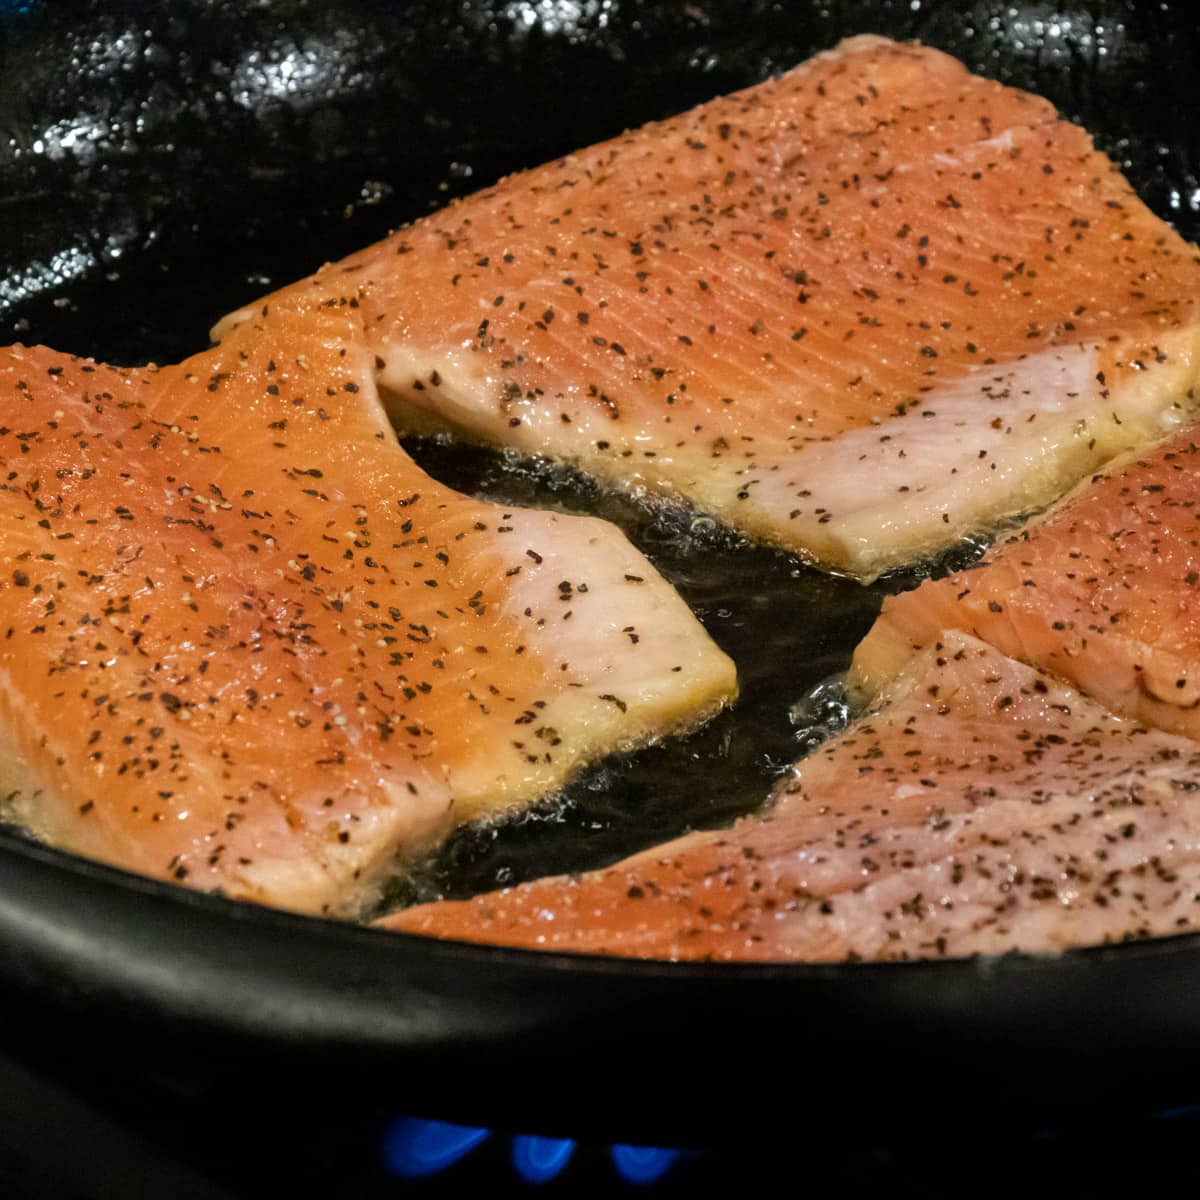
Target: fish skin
[(982, 808), (1102, 591), (859, 311), (251, 647)]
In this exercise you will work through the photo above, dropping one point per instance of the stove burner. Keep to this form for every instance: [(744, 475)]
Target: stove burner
[(414, 1148)]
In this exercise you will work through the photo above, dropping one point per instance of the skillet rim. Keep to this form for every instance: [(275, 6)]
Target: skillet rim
[(90, 873), (211, 996)]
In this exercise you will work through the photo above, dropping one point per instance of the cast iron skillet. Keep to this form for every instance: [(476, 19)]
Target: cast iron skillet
[(159, 168)]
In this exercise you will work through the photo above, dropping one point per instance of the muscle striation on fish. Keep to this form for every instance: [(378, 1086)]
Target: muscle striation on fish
[(251, 647), (1102, 591), (859, 311), (982, 808)]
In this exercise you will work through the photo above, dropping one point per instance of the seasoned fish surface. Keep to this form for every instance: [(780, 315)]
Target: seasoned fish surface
[(983, 808), (1103, 591), (858, 311), (252, 647)]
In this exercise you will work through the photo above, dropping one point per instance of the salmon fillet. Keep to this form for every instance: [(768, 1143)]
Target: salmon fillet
[(249, 645), (858, 311), (983, 808), (1102, 591)]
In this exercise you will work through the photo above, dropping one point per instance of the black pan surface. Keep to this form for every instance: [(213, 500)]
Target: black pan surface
[(160, 165)]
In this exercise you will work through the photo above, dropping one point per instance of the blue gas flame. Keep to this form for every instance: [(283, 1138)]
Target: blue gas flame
[(414, 1148), (642, 1164), (540, 1159)]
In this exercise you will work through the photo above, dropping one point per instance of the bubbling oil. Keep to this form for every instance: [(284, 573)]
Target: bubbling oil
[(789, 628)]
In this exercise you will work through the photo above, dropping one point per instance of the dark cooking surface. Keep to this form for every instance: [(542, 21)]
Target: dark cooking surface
[(158, 168)]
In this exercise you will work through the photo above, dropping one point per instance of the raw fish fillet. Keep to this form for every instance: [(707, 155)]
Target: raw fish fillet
[(1103, 591), (859, 311), (983, 808), (247, 644)]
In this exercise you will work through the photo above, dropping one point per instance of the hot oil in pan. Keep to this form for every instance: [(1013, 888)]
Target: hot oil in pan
[(789, 629)]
